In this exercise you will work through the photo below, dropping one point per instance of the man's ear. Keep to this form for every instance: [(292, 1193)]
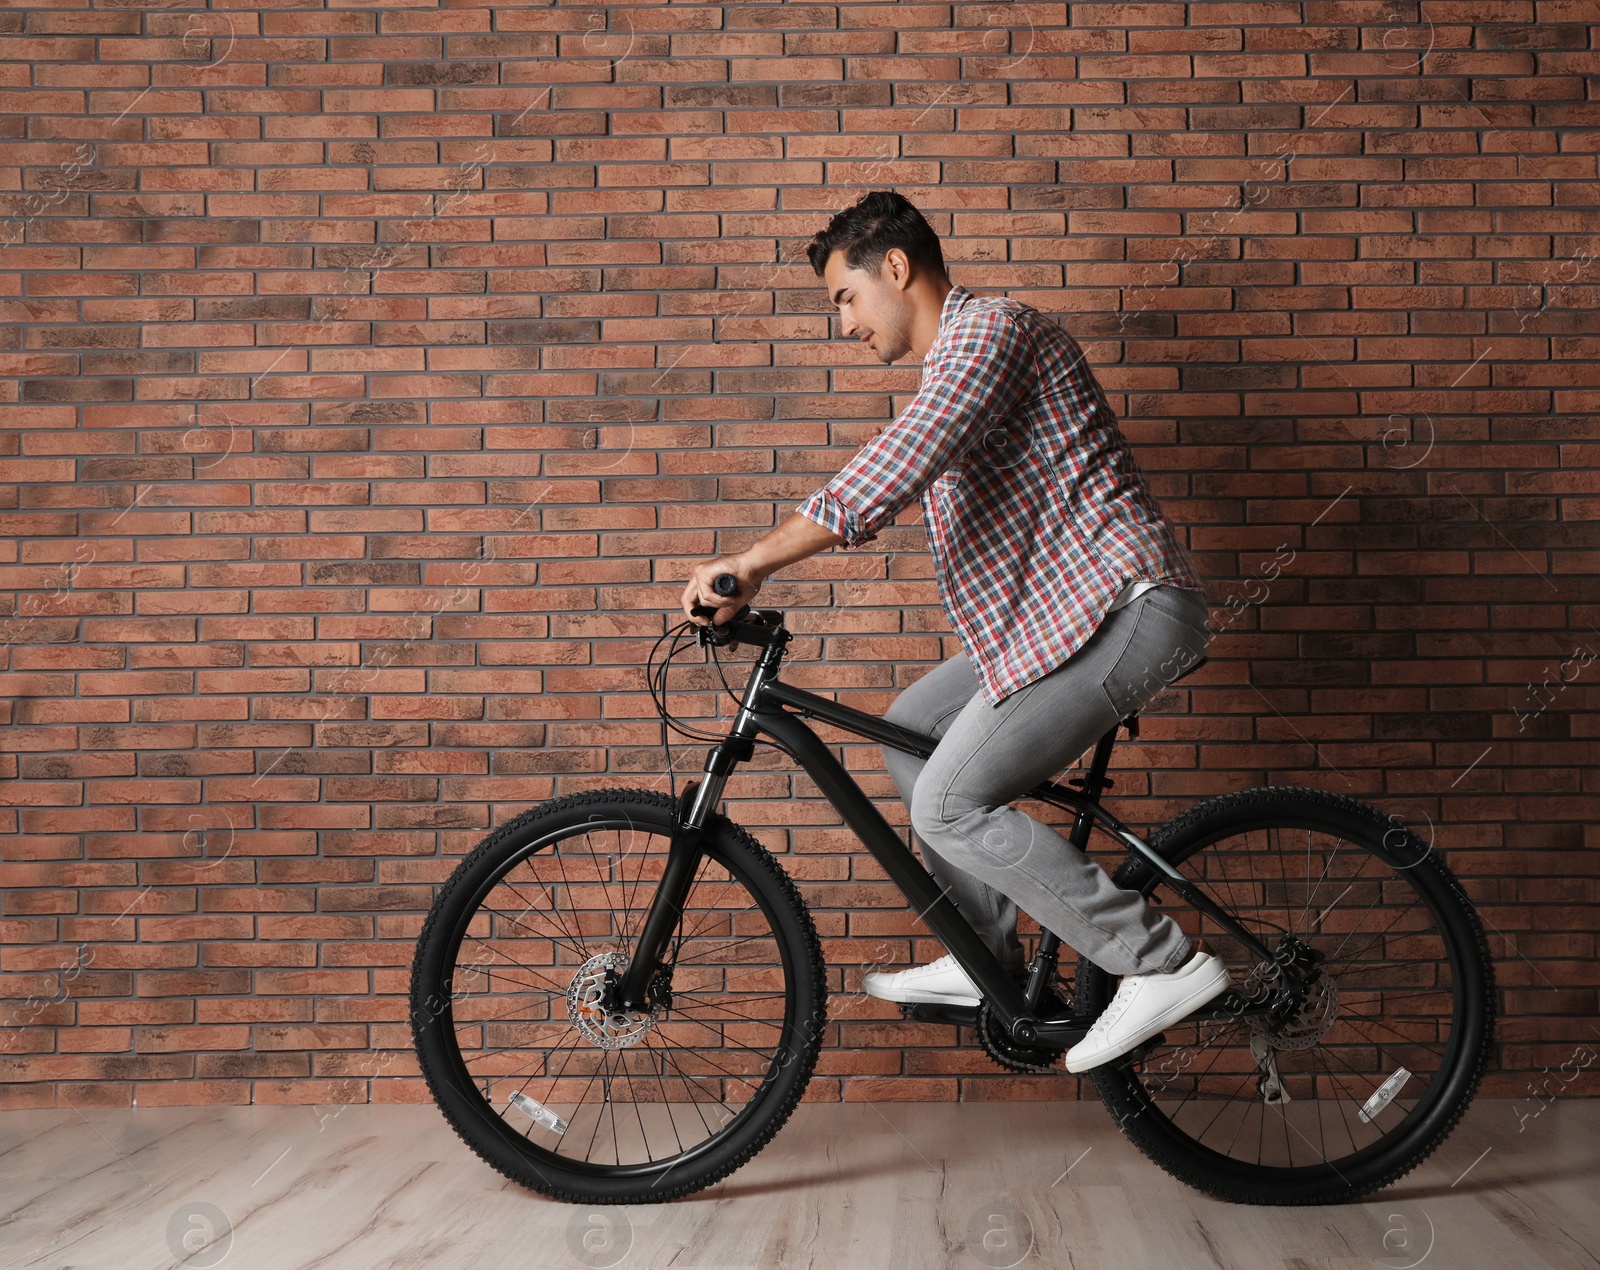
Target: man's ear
[(898, 266)]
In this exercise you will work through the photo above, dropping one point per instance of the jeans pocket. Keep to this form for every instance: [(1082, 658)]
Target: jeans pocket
[(1165, 643), (1182, 603)]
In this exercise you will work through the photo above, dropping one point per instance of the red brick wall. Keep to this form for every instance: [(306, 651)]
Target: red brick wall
[(369, 377)]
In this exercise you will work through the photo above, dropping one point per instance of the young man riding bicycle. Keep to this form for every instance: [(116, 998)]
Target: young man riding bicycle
[(1073, 598)]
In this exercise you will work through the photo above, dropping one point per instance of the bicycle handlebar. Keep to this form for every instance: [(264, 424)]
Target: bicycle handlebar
[(736, 630)]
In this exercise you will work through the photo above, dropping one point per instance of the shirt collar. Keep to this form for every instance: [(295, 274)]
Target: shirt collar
[(954, 299)]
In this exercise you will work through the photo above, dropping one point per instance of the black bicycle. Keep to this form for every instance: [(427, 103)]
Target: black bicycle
[(619, 995)]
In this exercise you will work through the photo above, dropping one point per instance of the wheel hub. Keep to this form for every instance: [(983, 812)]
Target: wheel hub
[(1312, 1016), (589, 1005)]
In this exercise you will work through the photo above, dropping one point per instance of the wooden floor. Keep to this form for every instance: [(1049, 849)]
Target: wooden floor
[(868, 1185)]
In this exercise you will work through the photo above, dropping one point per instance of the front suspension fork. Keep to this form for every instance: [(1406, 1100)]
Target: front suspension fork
[(683, 863)]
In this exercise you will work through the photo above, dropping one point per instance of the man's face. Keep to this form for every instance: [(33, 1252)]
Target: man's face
[(873, 309)]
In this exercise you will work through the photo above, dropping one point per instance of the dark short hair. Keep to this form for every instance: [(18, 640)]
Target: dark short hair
[(871, 225)]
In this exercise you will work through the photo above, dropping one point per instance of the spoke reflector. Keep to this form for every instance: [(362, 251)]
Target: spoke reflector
[(1383, 1095), (537, 1112)]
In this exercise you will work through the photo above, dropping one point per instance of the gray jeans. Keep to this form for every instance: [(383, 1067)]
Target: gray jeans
[(993, 857)]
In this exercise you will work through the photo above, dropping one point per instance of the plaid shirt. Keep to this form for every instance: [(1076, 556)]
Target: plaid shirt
[(1036, 510)]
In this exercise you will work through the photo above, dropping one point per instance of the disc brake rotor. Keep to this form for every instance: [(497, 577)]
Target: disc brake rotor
[(1308, 1024), (586, 995)]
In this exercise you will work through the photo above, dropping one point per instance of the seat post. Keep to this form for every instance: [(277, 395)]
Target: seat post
[(1095, 779)]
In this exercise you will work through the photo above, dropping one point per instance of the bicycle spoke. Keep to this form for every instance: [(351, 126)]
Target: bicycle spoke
[(1243, 1081), (533, 908), (536, 935), (709, 911), (1346, 1015), (561, 863), (1339, 1102), (708, 1005), (1244, 1119), (1334, 955), (667, 1104), (600, 1115), (1367, 947), (693, 1102), (600, 876), (496, 1018), (550, 990), (537, 1058), (503, 1049), (1215, 1054), (743, 940), (616, 1147), (725, 1040)]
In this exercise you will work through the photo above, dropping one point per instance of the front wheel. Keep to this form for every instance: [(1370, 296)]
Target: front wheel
[(562, 1093), (1376, 1064)]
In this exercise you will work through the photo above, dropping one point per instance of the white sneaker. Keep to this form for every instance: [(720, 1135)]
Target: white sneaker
[(941, 982), (1144, 1004)]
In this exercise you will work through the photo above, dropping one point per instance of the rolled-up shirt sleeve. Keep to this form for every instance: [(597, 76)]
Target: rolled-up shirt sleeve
[(982, 369)]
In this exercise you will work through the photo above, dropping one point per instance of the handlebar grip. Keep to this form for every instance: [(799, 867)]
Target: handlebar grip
[(722, 584)]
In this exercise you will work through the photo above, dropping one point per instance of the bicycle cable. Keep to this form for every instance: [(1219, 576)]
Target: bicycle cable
[(733, 696), (737, 699), (656, 682)]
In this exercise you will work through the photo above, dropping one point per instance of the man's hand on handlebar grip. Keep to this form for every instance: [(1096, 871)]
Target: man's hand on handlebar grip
[(701, 590)]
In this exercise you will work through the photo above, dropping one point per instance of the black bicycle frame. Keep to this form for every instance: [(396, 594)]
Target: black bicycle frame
[(777, 710)]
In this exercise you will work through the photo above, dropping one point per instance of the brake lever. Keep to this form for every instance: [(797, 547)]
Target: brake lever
[(711, 633)]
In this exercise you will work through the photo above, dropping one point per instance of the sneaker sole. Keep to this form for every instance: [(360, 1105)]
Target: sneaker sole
[(1166, 1019), (914, 997)]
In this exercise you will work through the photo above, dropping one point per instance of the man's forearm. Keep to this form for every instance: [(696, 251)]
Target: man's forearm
[(795, 539)]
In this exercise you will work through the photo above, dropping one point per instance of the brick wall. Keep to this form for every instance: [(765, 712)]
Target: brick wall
[(370, 375)]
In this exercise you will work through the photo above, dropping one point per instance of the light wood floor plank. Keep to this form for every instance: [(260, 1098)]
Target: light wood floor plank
[(894, 1185)]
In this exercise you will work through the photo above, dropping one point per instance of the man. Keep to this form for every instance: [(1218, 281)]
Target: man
[(1073, 599)]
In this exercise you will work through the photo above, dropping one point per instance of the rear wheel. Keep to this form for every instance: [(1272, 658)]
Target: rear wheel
[(1377, 1064), (548, 1082)]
